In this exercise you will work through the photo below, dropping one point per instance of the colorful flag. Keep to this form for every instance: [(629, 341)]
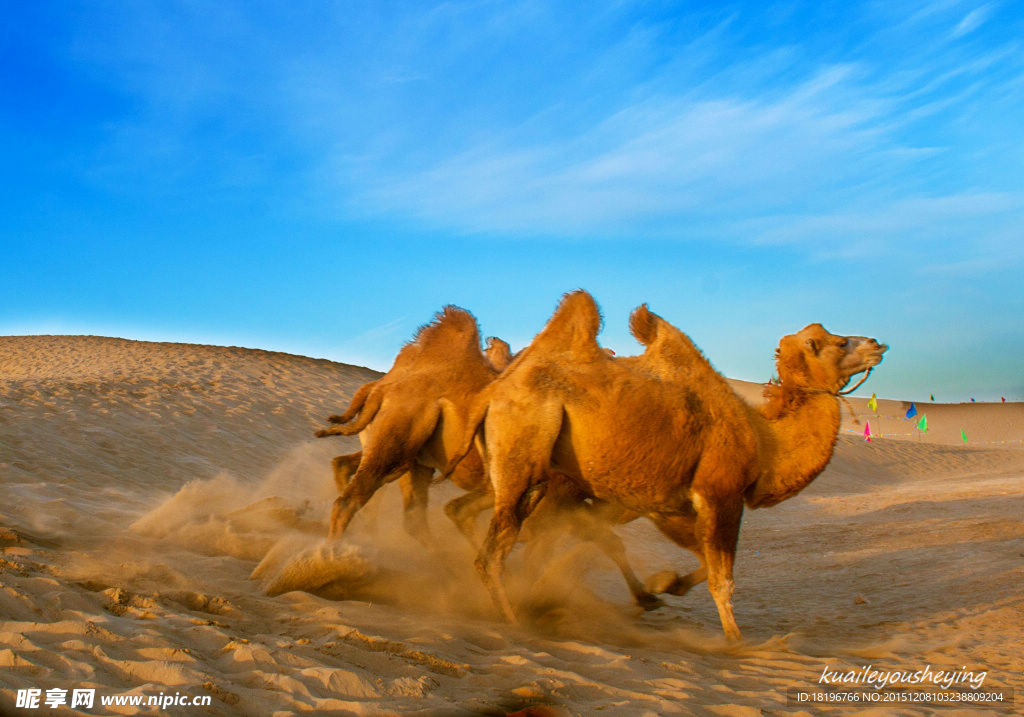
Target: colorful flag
[(933, 398), (922, 425), (867, 431), (1004, 398), (963, 434), (912, 411), (972, 399), (873, 403)]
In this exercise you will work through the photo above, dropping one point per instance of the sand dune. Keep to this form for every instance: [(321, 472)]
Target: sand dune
[(143, 483)]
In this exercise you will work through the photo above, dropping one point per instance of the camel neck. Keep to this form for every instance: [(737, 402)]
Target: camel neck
[(794, 449)]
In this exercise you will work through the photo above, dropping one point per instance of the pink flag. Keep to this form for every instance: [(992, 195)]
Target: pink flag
[(867, 431)]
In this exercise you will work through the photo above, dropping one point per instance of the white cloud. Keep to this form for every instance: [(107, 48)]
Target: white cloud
[(659, 158)]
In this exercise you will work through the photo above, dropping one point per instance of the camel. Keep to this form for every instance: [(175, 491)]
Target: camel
[(410, 420), (463, 510), (406, 418), (660, 434)]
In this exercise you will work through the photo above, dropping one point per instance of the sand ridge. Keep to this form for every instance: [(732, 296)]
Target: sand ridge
[(143, 483)]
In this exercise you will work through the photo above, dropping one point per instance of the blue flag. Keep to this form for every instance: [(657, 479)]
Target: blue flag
[(912, 411)]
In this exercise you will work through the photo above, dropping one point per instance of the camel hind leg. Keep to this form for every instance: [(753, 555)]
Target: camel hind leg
[(380, 464), (463, 511), (517, 465), (589, 525), (415, 485), (364, 484), (564, 509), (502, 534), (343, 468), (682, 530), (387, 454)]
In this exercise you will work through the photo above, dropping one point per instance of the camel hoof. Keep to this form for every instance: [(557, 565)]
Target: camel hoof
[(649, 601), (335, 419), (662, 582)]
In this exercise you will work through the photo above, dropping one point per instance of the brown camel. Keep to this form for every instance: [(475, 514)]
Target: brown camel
[(414, 483), (661, 434), (410, 420)]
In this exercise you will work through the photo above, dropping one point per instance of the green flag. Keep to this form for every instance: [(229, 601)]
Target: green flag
[(922, 425), (963, 434)]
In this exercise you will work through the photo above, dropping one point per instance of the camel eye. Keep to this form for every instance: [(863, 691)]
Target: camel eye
[(843, 343)]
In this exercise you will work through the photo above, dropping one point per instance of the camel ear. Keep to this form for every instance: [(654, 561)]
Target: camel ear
[(812, 344)]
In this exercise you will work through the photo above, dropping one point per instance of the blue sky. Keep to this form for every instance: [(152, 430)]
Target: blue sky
[(319, 178)]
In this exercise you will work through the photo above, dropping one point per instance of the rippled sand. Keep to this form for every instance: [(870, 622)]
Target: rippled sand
[(143, 484)]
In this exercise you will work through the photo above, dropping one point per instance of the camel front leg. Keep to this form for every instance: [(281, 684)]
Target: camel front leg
[(718, 528)]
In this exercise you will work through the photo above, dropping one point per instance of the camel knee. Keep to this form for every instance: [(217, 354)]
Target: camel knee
[(722, 590)]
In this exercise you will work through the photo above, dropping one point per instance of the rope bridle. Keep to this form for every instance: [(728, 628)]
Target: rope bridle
[(841, 395), (851, 390)]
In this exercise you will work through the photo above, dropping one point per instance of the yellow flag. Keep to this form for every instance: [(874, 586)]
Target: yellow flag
[(873, 403)]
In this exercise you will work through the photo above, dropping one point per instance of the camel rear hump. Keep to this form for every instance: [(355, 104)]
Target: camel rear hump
[(644, 325), (665, 341)]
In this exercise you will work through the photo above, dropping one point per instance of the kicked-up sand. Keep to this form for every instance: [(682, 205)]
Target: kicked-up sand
[(160, 504)]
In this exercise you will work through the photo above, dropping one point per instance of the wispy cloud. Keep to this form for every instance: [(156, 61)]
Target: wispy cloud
[(973, 20), (480, 119), (662, 159)]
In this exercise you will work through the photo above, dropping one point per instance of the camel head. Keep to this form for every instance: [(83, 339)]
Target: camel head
[(498, 353), (817, 360)]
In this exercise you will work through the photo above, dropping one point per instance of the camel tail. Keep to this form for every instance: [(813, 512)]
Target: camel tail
[(473, 425), (358, 400), (369, 409)]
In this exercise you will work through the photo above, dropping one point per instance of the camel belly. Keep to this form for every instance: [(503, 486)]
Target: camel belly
[(644, 472)]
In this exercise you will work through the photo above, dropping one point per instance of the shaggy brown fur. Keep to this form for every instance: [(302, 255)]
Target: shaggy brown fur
[(417, 415), (661, 435)]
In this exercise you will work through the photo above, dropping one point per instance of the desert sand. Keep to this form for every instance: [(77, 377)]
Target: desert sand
[(142, 484)]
